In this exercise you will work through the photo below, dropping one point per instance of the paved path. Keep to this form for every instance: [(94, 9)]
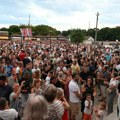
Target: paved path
[(112, 116)]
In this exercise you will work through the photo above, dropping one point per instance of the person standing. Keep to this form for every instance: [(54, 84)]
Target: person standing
[(36, 108), (55, 108), (15, 96), (5, 89), (118, 102), (74, 97), (5, 112), (8, 72), (112, 87), (87, 88), (88, 108), (100, 111)]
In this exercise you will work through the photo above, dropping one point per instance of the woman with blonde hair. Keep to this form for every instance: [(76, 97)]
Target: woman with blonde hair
[(37, 87), (36, 108), (60, 97)]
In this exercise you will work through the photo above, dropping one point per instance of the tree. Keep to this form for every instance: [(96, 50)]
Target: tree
[(44, 30), (103, 34), (67, 33), (13, 29), (4, 29), (77, 36), (91, 32)]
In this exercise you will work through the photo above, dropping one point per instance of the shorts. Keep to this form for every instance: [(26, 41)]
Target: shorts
[(74, 108), (87, 116)]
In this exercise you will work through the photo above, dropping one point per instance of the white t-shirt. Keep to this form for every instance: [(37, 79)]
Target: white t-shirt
[(86, 109), (73, 87), (113, 82), (17, 70), (59, 69), (35, 69), (101, 115), (8, 114), (118, 67)]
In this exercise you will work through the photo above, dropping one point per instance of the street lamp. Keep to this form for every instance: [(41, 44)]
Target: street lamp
[(96, 29)]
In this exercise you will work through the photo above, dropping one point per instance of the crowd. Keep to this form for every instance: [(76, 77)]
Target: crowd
[(39, 81)]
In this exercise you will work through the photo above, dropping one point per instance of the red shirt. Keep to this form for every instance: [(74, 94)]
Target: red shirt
[(22, 55)]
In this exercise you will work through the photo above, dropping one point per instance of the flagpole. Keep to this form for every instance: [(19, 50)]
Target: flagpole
[(29, 21), (28, 25)]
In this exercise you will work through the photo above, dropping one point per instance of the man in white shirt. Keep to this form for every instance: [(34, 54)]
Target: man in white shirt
[(5, 112), (74, 96)]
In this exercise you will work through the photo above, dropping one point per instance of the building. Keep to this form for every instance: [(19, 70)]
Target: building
[(88, 40), (51, 37), (4, 35)]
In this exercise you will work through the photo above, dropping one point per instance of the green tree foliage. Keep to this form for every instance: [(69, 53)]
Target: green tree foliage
[(104, 34), (4, 29), (45, 30), (109, 34), (67, 33), (84, 32), (91, 32), (14, 29), (77, 36)]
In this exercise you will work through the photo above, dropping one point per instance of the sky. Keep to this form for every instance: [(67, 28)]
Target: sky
[(60, 14)]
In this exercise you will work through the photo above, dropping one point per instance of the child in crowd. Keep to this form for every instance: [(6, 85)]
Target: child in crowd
[(100, 111), (36, 87), (61, 97), (88, 108)]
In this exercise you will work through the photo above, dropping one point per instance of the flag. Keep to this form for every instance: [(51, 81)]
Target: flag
[(26, 32)]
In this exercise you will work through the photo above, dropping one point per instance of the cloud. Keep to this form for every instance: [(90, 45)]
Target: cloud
[(62, 14), (15, 18), (72, 19)]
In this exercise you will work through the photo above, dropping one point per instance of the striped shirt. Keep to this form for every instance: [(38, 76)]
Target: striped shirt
[(58, 107)]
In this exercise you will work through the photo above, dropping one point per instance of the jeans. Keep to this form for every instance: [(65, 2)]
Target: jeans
[(111, 97)]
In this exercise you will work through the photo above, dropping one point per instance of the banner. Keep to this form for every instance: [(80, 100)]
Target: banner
[(26, 32)]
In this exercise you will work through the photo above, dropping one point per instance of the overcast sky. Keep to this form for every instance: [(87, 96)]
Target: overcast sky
[(60, 14)]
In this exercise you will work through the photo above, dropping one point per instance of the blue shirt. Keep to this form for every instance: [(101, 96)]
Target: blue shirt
[(8, 70)]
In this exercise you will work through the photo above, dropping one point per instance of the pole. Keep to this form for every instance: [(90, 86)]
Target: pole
[(29, 21), (96, 27), (21, 40), (29, 26), (50, 42)]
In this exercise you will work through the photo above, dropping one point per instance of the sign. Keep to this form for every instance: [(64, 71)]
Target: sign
[(26, 32)]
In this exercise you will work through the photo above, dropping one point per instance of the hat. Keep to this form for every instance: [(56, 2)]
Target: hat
[(2, 77)]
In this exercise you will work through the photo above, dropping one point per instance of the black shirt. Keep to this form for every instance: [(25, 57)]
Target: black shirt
[(84, 75), (5, 91)]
